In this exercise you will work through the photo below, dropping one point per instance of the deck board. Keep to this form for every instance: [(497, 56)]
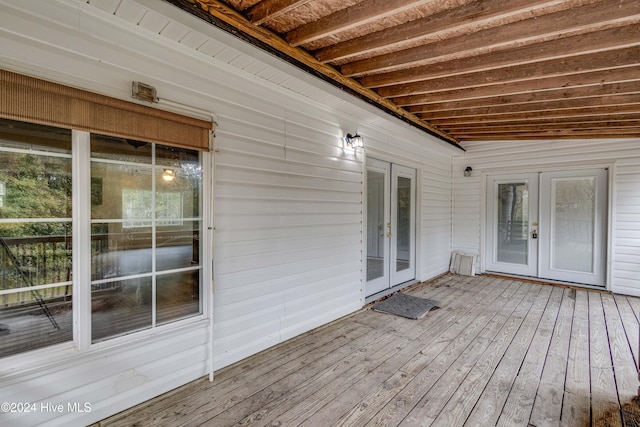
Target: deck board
[(576, 407), (604, 399), (497, 352), (495, 406), (547, 406)]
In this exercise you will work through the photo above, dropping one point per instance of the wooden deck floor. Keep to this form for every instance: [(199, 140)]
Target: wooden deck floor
[(497, 352)]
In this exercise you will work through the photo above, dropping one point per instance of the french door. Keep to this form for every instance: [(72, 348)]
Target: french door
[(390, 225), (549, 225)]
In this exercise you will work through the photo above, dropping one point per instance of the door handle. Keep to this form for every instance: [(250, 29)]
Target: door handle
[(534, 234)]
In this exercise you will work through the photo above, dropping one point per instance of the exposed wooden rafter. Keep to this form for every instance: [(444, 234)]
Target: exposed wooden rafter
[(361, 14), (270, 9), (465, 69), (475, 15), (537, 29)]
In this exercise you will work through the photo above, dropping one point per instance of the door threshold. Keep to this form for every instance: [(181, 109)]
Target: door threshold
[(547, 281), (389, 291)]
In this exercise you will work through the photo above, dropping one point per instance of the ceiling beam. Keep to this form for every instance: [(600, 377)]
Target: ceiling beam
[(580, 20), (612, 59), (542, 115), (596, 78), (566, 122), (478, 14), (563, 105), (612, 133), (581, 44), (270, 9), (578, 93), (482, 130), (360, 14)]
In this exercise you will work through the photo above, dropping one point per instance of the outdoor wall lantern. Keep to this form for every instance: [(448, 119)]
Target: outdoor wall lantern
[(169, 175), (467, 171), (353, 141)]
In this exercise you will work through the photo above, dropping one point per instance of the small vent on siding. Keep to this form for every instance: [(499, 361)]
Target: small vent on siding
[(463, 264)]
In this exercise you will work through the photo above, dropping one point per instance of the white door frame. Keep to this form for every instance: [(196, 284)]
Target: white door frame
[(390, 277), (492, 263), (404, 275), (603, 219), (597, 275), (382, 282)]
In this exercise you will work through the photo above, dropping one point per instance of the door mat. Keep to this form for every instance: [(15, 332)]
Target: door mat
[(406, 306)]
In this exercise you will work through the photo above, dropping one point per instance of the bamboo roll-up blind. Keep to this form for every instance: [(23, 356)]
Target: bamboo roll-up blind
[(34, 100)]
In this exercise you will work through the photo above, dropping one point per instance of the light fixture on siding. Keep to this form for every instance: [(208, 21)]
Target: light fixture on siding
[(169, 175), (353, 141), (144, 92), (467, 171)]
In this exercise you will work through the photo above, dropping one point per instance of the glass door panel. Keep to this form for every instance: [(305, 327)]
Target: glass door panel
[(511, 243), (375, 225), (377, 219), (573, 220), (513, 223), (403, 224)]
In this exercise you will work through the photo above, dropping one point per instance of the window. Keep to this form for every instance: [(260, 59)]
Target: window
[(145, 236), (144, 233), (35, 237)]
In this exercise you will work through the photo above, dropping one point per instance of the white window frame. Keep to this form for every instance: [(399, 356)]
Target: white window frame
[(81, 264)]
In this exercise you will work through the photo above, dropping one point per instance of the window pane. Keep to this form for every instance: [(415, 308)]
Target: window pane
[(177, 157), (116, 252), (178, 295), (35, 186), (178, 247), (404, 224), (29, 136), (35, 236), (120, 307), (34, 254), (513, 223), (34, 319), (120, 149), (375, 225), (178, 186), (121, 191), (573, 218)]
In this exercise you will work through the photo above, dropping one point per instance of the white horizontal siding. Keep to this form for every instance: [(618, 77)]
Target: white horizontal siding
[(467, 205), (435, 221), (288, 230), (625, 260), (509, 157)]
